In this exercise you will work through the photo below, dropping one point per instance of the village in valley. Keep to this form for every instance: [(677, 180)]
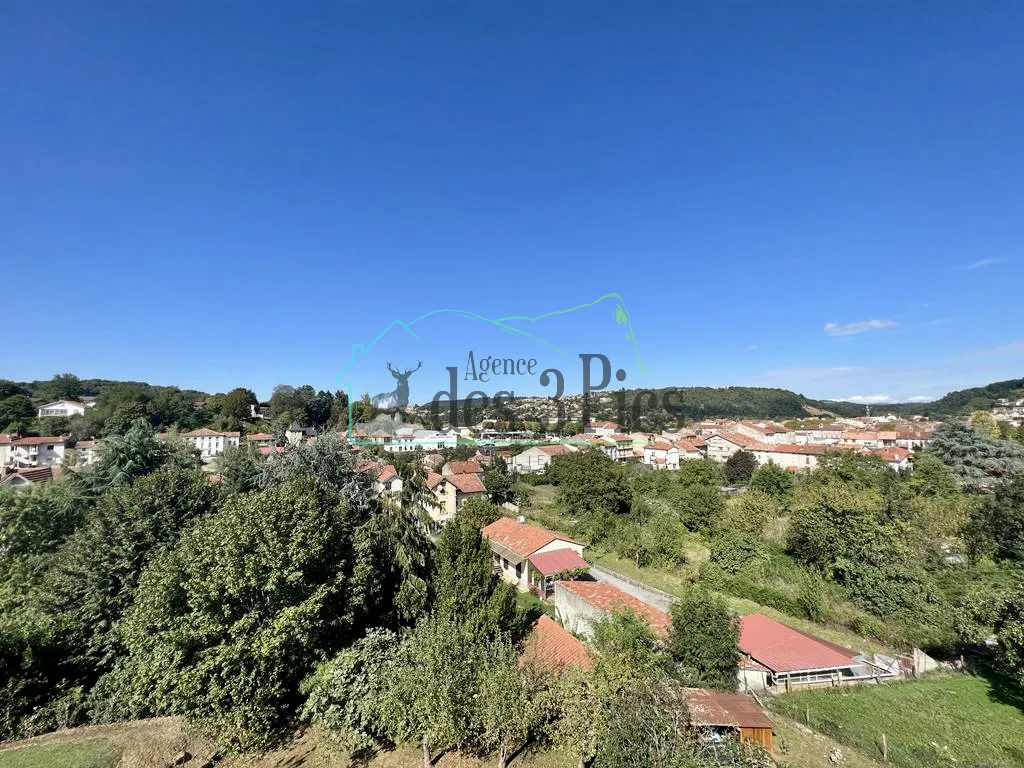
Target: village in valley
[(508, 477)]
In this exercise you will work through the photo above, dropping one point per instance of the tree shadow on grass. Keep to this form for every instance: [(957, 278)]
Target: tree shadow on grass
[(1004, 690)]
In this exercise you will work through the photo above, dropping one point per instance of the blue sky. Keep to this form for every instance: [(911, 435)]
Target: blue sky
[(825, 197)]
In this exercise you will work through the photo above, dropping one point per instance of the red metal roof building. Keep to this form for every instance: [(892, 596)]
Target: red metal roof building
[(790, 657)]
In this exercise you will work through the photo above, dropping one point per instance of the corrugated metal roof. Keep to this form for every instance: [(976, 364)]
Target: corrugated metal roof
[(783, 649), (715, 708), (557, 561)]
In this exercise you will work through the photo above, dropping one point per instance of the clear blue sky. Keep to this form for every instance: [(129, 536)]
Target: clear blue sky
[(215, 194)]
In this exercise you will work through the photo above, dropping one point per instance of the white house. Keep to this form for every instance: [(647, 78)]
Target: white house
[(661, 456), (31, 451), (537, 458), (388, 481), (210, 443), (602, 428), (63, 408), (723, 445), (765, 431), (86, 452), (450, 493), (790, 456), (529, 556)]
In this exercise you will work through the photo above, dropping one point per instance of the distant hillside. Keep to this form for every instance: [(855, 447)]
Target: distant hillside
[(96, 387)]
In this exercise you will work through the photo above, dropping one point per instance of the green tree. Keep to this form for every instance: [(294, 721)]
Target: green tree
[(124, 415), (63, 385), (740, 467), (319, 408), (346, 694), (773, 480), (498, 482), (465, 586), (93, 578), (977, 459), (591, 482), (751, 512), (1009, 628), (628, 643), (16, 411), (703, 640), (239, 468), (510, 704), (984, 421), (477, 513), (997, 525), (235, 407), (700, 507), (703, 472), (226, 625), (431, 697)]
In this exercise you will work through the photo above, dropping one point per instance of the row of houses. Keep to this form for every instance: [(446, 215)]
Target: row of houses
[(774, 657)]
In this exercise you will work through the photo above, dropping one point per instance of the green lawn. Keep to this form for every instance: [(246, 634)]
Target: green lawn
[(89, 753), (944, 720)]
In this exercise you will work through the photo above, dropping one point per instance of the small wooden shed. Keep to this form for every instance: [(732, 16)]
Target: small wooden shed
[(733, 713)]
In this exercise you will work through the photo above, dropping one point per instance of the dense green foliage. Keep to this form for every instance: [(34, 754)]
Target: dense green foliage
[(703, 640)]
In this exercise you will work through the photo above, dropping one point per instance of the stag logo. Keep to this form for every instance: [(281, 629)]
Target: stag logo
[(399, 398)]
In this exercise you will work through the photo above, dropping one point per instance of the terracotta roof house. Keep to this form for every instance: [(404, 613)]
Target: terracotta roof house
[(554, 648), (789, 657), (730, 713), (388, 481), (517, 546), (18, 478), (723, 445), (582, 603), (470, 467), (450, 493), (536, 458)]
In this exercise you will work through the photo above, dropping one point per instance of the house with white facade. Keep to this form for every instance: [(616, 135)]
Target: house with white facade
[(32, 451), (388, 482), (536, 458), (661, 456), (602, 428), (450, 492), (210, 443), (63, 408), (722, 446), (530, 557), (86, 452), (765, 431)]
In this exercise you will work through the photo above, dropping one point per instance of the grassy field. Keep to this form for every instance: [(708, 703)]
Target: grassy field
[(945, 720), (88, 753)]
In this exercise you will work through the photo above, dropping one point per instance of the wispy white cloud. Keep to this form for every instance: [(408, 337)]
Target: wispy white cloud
[(981, 264), (847, 329), (751, 347), (939, 321), (920, 399), (867, 399)]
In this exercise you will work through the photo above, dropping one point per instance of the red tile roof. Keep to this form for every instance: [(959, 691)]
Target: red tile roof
[(519, 538), (33, 474), (38, 440), (465, 467), (387, 472), (715, 708), (783, 649), (259, 437), (555, 450), (267, 449), (658, 446), (549, 563), (743, 441), (893, 453), (555, 647), (607, 599), (206, 432), (467, 483), (433, 479)]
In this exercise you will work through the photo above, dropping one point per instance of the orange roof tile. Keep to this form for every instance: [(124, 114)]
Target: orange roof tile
[(466, 483), (607, 599), (465, 467), (519, 538), (555, 647)]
